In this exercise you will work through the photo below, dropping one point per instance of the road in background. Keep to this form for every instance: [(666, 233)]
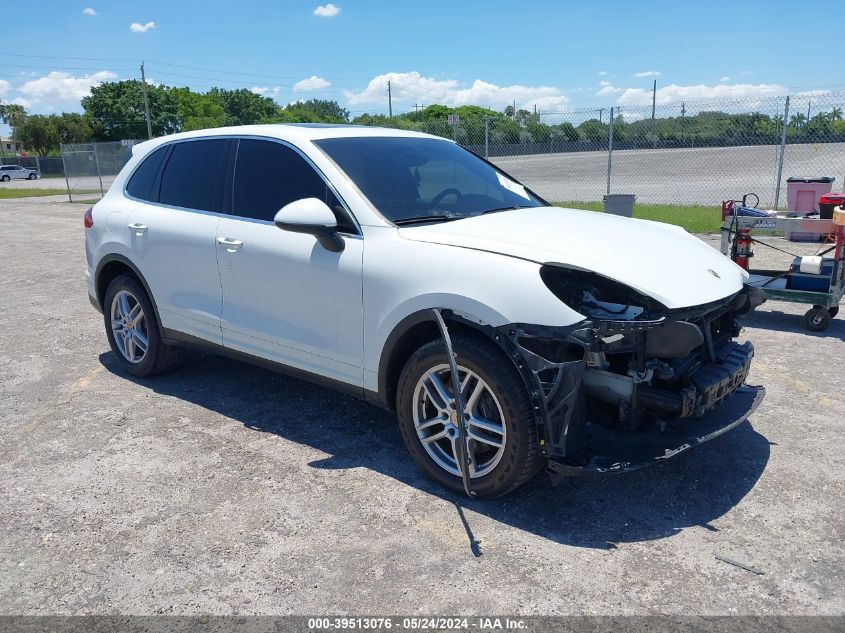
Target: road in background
[(703, 176)]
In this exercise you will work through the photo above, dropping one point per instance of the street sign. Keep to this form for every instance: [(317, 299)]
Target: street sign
[(453, 119)]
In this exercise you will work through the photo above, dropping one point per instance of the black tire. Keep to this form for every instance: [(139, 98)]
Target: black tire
[(833, 311), (158, 358), (5, 178), (32, 177), (521, 458), (817, 319)]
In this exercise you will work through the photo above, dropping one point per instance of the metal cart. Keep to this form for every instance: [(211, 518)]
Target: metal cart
[(775, 283)]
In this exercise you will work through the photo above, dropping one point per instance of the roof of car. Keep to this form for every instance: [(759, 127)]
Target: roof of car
[(292, 132)]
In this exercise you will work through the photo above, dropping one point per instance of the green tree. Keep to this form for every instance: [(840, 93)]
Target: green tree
[(565, 131), (244, 107), (116, 110), (73, 127), (593, 130), (197, 111), (38, 133), (321, 110), (797, 120), (13, 115)]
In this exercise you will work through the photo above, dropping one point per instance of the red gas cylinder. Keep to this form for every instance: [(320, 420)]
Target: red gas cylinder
[(742, 248)]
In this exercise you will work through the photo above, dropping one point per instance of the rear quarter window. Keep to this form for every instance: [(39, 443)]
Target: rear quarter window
[(141, 183)]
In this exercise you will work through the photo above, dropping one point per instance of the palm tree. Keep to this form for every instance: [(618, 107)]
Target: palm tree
[(13, 115), (836, 114), (797, 120)]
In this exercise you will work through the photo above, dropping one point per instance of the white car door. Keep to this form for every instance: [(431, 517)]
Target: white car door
[(173, 230), (285, 297)]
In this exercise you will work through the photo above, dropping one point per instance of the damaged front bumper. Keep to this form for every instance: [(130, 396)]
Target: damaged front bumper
[(600, 415)]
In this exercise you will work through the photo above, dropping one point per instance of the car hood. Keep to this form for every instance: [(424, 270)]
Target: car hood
[(660, 260)]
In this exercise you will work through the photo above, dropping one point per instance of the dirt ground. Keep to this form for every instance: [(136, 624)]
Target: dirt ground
[(225, 489)]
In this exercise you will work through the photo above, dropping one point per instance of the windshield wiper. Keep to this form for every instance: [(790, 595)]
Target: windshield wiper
[(508, 208), (427, 218)]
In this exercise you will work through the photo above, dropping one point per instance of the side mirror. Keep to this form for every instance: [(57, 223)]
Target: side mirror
[(311, 216)]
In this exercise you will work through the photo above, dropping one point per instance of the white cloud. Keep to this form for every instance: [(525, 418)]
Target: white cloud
[(413, 87), (326, 10), (89, 11), (311, 84), (61, 86), (724, 78), (137, 27), (606, 88), (602, 73), (4, 87), (675, 93), (648, 73), (265, 91), (26, 103)]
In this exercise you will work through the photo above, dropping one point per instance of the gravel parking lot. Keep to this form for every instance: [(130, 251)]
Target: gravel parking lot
[(224, 488)]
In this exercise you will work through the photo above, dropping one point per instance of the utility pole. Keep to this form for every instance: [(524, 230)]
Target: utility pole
[(601, 112), (683, 109), (653, 107), (389, 100), (808, 110), (782, 149), (146, 102)]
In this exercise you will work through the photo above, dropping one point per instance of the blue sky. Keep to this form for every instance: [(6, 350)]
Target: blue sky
[(559, 55)]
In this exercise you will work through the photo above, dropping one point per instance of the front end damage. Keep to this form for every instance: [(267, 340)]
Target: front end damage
[(635, 383)]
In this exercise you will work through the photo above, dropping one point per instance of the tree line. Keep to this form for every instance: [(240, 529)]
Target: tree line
[(115, 110)]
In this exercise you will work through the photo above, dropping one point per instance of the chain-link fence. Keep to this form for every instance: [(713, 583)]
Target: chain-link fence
[(90, 168), (687, 153)]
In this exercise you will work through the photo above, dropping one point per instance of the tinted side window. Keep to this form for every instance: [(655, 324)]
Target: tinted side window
[(141, 184), (269, 175), (195, 174)]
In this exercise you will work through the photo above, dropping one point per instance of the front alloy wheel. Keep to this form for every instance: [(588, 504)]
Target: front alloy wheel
[(502, 439), (435, 420)]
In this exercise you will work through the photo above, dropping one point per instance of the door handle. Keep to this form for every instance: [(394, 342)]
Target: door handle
[(230, 244), (139, 229)]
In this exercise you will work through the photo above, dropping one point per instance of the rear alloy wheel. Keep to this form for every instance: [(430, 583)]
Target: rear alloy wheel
[(132, 330), (502, 434), (129, 326), (5, 178)]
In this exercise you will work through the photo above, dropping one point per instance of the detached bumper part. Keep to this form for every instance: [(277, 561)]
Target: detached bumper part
[(609, 450)]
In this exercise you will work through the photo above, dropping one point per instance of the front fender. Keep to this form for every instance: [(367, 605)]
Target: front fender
[(403, 278)]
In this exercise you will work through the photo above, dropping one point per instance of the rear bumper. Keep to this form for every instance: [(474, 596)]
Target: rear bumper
[(610, 450)]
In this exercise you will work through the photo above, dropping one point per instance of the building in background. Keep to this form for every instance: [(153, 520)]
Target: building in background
[(8, 147)]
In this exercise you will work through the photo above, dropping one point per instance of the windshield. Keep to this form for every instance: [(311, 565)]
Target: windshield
[(413, 180)]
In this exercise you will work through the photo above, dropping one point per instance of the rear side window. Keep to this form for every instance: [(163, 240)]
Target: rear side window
[(141, 184), (270, 175), (194, 175)]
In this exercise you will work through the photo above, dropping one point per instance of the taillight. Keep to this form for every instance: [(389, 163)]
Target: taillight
[(89, 218)]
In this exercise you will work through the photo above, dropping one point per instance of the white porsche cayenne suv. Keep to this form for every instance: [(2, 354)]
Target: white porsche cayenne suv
[(508, 335)]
